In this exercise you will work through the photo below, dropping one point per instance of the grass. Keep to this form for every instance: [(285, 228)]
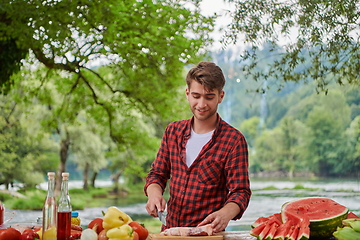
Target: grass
[(296, 187)]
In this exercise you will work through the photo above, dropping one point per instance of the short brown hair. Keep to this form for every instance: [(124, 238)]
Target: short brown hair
[(207, 74)]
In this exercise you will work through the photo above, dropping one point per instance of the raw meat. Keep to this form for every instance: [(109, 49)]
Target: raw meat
[(205, 230)]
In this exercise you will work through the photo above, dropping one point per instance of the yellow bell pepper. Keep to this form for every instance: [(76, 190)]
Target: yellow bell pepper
[(124, 232), (115, 218), (40, 233)]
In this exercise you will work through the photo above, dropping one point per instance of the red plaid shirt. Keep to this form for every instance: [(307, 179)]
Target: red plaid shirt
[(218, 175)]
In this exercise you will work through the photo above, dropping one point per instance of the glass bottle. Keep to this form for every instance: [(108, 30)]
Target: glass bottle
[(64, 210), (49, 210)]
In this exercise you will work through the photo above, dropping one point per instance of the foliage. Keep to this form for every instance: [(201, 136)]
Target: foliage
[(10, 57), (24, 154), (4, 197), (324, 136), (305, 133), (320, 39), (353, 147), (250, 129), (311, 137), (116, 67), (34, 201), (142, 40)]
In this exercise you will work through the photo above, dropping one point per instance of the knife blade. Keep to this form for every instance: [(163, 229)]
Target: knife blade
[(162, 217)]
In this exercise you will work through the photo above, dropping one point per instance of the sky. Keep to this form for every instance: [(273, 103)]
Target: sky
[(208, 8)]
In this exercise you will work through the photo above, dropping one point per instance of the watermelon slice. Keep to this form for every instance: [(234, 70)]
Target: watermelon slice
[(262, 225), (294, 234), (352, 215), (324, 214), (261, 220), (258, 229), (282, 230), (301, 223), (271, 233), (268, 227), (304, 230)]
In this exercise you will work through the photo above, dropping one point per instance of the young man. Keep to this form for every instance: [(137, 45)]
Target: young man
[(205, 159)]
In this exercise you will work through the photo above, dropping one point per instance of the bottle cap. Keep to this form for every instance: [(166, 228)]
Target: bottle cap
[(51, 175), (74, 214), (65, 175)]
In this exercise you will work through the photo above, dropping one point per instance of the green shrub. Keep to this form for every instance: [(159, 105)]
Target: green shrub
[(4, 197), (299, 186), (29, 203), (77, 191), (77, 204), (270, 188), (99, 193)]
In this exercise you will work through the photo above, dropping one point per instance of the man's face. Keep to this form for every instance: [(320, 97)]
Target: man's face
[(203, 103)]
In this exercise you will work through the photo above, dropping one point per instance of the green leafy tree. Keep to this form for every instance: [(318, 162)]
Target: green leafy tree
[(250, 129), (116, 60), (266, 152), (291, 143), (87, 147), (324, 140), (353, 150), (75, 36), (279, 149), (10, 57), (320, 39), (25, 155), (335, 103)]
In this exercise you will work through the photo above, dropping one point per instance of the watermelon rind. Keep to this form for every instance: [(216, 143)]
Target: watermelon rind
[(265, 231), (319, 228), (295, 233), (271, 232), (304, 230), (282, 230), (258, 229), (259, 221)]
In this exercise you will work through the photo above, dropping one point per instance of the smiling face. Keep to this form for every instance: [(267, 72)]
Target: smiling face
[(203, 102), (205, 83)]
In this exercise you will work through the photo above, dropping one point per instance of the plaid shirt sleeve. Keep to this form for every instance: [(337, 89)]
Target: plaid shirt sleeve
[(160, 169), (236, 173)]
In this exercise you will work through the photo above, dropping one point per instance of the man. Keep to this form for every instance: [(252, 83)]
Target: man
[(205, 159)]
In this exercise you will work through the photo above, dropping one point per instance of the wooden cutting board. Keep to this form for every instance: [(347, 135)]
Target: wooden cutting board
[(157, 236)]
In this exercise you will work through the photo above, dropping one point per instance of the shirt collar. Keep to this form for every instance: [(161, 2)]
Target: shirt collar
[(191, 120)]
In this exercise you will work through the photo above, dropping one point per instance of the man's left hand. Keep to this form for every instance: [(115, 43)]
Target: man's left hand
[(220, 219)]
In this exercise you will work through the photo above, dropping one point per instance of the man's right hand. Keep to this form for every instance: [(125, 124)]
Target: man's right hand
[(156, 202)]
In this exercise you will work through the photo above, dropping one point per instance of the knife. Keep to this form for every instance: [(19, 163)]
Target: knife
[(162, 217)]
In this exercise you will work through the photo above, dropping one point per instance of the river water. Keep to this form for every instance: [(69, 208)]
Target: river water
[(267, 198)]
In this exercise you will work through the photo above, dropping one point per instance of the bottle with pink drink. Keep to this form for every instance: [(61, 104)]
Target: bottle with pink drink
[(64, 211)]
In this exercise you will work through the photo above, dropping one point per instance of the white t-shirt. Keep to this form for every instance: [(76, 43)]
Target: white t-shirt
[(195, 144)]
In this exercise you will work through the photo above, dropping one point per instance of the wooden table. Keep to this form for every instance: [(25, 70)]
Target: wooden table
[(226, 235)]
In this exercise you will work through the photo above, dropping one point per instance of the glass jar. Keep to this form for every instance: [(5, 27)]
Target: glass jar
[(75, 218)]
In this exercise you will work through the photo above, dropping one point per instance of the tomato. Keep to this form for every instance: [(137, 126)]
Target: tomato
[(75, 234), (139, 229), (136, 236), (9, 234), (29, 234), (97, 222)]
